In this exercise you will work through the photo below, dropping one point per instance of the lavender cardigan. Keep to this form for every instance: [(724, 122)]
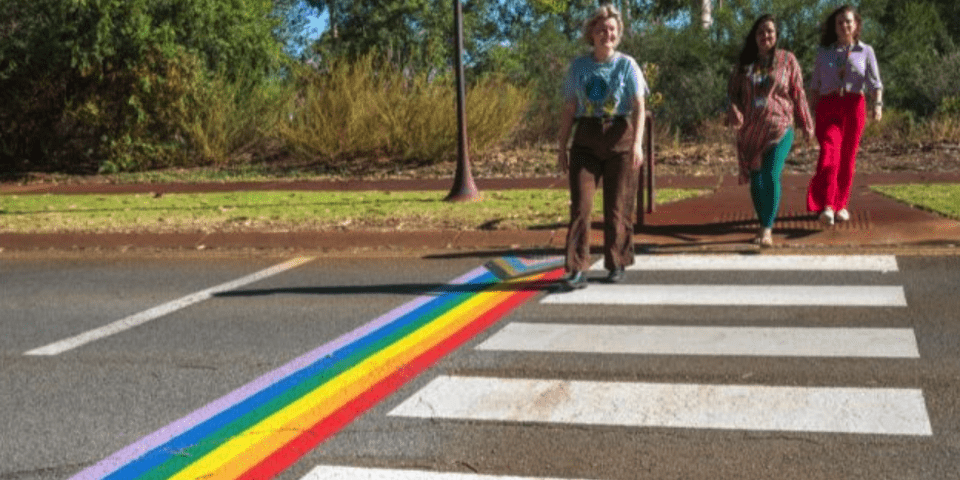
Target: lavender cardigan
[(862, 73)]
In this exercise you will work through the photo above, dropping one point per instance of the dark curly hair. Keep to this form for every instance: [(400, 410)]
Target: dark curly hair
[(828, 33), (750, 48)]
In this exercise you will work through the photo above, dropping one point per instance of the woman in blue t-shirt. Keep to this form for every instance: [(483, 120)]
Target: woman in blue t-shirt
[(604, 95)]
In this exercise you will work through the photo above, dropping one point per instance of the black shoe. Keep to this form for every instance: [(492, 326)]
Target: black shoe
[(615, 275), (575, 281)]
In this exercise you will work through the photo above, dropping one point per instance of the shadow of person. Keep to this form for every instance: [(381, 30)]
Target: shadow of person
[(416, 289)]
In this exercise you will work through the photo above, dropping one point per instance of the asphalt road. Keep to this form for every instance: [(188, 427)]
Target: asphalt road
[(63, 413)]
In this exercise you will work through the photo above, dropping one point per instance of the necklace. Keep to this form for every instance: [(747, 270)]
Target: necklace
[(760, 70), (761, 74), (843, 57)]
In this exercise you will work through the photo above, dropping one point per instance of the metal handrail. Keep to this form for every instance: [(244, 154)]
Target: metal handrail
[(647, 171)]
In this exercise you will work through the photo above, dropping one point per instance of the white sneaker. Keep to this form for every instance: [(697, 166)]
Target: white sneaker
[(843, 215), (826, 216)]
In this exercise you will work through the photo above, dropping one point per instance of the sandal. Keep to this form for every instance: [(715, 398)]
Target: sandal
[(764, 239)]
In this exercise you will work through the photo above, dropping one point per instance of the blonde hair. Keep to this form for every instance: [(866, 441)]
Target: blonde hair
[(602, 14)]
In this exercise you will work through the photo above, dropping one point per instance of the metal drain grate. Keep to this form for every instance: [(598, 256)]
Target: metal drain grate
[(795, 220)]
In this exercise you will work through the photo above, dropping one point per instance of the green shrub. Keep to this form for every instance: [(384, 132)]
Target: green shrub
[(896, 126), (950, 105), (918, 61), (904, 127), (944, 125), (691, 70), (229, 118), (134, 118), (356, 109), (539, 61), (114, 85)]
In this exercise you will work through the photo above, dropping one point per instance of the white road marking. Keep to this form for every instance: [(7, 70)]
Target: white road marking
[(351, 473), (735, 295), (145, 316), (875, 263), (881, 411), (743, 341)]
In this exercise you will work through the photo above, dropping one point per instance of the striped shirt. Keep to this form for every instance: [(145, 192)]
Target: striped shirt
[(770, 99)]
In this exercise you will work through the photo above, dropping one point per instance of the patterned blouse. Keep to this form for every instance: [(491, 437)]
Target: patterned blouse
[(770, 98), (604, 89)]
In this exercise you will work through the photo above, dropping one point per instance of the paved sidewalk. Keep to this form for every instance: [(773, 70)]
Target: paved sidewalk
[(726, 218), (723, 220)]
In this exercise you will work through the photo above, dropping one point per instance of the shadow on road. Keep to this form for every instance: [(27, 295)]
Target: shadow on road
[(397, 289)]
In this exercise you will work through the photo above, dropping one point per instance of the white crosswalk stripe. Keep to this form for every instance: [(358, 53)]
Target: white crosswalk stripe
[(735, 295), (352, 473), (667, 340), (843, 263), (741, 407)]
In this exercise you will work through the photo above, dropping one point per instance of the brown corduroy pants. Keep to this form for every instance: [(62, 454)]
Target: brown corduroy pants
[(601, 151)]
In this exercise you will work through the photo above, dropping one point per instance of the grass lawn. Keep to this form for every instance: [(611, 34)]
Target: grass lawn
[(942, 198), (290, 211)]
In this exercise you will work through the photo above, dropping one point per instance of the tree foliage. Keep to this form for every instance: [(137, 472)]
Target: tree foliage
[(413, 34), (93, 83), (913, 44), (912, 39), (118, 84), (532, 42), (292, 30)]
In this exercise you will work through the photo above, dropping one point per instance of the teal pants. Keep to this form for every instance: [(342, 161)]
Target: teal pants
[(765, 183)]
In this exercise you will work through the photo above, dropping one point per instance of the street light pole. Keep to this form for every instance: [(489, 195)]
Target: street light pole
[(463, 187)]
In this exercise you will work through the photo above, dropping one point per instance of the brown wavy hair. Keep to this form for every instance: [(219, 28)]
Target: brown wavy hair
[(828, 32)]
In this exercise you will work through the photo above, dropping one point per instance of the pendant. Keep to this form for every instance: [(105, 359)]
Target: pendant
[(843, 75)]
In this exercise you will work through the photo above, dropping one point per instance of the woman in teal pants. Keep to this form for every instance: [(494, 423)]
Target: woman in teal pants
[(766, 99), (765, 187)]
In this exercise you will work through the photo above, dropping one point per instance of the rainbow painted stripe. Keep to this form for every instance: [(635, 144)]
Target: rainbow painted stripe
[(506, 268), (262, 428)]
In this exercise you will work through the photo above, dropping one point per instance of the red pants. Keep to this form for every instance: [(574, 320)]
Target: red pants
[(601, 151), (840, 122)]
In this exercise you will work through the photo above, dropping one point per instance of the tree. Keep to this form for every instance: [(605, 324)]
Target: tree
[(417, 32), (912, 44), (291, 30), (705, 7), (84, 83), (950, 14)]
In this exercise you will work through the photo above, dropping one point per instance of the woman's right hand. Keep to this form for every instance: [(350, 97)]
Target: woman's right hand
[(734, 118), (563, 162)]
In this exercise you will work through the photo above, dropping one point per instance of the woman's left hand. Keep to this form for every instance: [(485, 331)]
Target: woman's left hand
[(637, 153), (877, 113)]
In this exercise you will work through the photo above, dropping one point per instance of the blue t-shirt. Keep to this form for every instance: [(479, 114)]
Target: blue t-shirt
[(604, 89)]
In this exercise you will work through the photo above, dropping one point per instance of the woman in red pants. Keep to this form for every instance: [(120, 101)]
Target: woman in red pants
[(845, 73)]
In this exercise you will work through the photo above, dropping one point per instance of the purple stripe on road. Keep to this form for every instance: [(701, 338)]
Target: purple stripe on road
[(177, 427)]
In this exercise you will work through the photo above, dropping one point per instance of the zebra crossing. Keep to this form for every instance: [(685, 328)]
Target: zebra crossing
[(827, 410)]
